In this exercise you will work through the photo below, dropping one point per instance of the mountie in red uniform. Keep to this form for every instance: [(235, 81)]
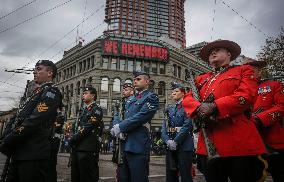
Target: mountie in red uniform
[(269, 109), (234, 89)]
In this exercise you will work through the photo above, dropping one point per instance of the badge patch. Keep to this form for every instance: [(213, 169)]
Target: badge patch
[(20, 129), (242, 100), (93, 119), (265, 89), (50, 95), (275, 115), (42, 107)]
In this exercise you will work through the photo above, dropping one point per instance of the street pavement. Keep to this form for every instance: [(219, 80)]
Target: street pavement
[(107, 169)]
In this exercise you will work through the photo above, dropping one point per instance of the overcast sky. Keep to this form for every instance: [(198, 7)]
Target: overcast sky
[(28, 42)]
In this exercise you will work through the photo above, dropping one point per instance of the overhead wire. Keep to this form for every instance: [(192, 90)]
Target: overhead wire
[(61, 38), (38, 15), (17, 9), (249, 22)]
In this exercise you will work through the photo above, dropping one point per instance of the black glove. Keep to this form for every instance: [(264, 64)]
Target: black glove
[(206, 110), (4, 150)]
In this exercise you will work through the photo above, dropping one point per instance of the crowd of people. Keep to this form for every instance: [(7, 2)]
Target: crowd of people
[(236, 113)]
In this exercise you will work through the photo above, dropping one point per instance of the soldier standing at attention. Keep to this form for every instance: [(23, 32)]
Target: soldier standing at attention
[(139, 111), (234, 135), (176, 133), (86, 142), (29, 141), (268, 114), (119, 113)]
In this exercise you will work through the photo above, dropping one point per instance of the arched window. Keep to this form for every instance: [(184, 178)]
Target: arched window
[(175, 69), (161, 88), (90, 81), (116, 85), (78, 88), (83, 83), (71, 90), (104, 84), (152, 85)]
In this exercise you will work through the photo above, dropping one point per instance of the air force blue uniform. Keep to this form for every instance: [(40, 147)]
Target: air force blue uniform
[(139, 111), (182, 125)]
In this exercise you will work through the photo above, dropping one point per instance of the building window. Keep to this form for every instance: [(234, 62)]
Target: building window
[(116, 85), (179, 71), (92, 61), (147, 67), (152, 85), (161, 88), (162, 68), (113, 65), (186, 76), (105, 63), (71, 90), (122, 64), (104, 84), (103, 104), (175, 69), (130, 65), (84, 66), (138, 66), (89, 82), (88, 64), (78, 88), (154, 68)]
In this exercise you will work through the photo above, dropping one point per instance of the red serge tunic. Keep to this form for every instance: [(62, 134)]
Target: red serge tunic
[(270, 99), (234, 89)]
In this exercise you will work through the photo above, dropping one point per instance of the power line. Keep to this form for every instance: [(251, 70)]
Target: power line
[(17, 9), (57, 41), (38, 15), (75, 41), (249, 22)]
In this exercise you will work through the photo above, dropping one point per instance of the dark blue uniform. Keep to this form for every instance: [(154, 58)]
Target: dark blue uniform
[(139, 111), (29, 140), (86, 145), (178, 128)]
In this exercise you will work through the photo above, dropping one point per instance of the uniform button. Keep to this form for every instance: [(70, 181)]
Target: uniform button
[(212, 89), (227, 115)]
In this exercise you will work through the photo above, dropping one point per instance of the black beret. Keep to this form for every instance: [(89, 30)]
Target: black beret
[(138, 73), (90, 88), (175, 85), (48, 63)]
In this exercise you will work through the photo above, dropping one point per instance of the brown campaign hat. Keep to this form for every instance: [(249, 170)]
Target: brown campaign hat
[(253, 62), (231, 46)]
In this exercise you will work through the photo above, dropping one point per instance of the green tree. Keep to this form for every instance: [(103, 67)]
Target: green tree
[(273, 53)]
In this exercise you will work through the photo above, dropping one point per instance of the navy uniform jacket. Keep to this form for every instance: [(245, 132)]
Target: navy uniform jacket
[(30, 140), (178, 118), (90, 129), (139, 112)]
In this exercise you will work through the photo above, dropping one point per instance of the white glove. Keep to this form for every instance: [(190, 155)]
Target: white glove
[(115, 130), (121, 136), (172, 145)]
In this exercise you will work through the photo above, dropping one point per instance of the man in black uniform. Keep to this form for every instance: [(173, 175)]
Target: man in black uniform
[(28, 143), (86, 142), (55, 140)]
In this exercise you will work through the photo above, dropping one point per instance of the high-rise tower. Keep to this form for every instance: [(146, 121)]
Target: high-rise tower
[(153, 19)]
